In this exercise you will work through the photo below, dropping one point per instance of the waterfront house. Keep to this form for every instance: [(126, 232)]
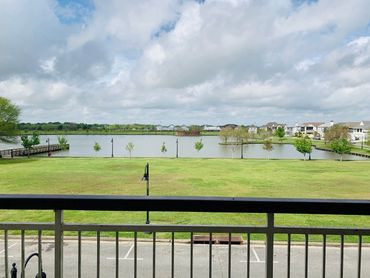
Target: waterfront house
[(211, 128), (321, 129), (232, 126), (358, 131), (273, 126), (252, 129), (309, 128), (165, 128)]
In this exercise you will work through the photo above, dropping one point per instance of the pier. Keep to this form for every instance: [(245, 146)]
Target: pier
[(35, 150)]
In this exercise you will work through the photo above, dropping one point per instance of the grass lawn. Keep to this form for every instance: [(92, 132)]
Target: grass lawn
[(187, 177)]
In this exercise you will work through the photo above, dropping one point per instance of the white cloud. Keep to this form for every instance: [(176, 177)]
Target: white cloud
[(185, 62)]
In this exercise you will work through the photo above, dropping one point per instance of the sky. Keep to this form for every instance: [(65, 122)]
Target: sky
[(186, 61)]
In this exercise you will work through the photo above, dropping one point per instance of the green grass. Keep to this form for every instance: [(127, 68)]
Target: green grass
[(187, 177)]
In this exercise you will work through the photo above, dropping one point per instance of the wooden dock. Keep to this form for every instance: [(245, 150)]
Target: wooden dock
[(35, 150)]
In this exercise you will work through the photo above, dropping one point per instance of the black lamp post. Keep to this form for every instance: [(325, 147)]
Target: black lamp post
[(177, 147), (48, 141), (146, 178), (112, 146), (241, 150)]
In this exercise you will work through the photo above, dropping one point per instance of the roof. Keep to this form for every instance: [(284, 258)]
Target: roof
[(312, 124), (361, 124), (329, 124)]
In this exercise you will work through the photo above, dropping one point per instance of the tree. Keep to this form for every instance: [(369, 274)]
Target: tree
[(63, 142), (225, 134), (96, 147), (336, 132), (198, 145), (9, 114), (130, 147), (341, 146), (240, 134), (304, 146), (280, 132), (263, 134), (29, 141), (267, 146), (163, 148)]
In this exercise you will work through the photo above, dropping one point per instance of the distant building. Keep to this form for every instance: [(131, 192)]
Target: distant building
[(289, 130), (252, 129), (358, 131), (309, 128), (165, 128), (232, 126), (182, 128), (211, 128), (321, 129), (273, 126)]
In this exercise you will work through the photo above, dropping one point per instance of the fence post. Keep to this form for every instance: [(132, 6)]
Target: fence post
[(270, 246), (58, 256)]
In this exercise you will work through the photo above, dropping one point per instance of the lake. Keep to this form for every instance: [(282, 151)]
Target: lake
[(150, 146)]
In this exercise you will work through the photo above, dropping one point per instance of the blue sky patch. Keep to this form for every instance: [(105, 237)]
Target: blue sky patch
[(74, 11), (165, 28)]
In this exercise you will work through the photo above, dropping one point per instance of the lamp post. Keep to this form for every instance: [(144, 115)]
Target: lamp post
[(146, 178), (241, 150), (177, 147), (48, 141), (112, 146)]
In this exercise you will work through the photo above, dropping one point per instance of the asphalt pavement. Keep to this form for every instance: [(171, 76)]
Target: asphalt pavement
[(182, 259)]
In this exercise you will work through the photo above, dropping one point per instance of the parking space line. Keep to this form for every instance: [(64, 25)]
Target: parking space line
[(258, 260), (126, 256), (2, 251), (255, 254)]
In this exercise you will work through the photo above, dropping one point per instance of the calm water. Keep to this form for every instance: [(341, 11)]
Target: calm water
[(150, 146)]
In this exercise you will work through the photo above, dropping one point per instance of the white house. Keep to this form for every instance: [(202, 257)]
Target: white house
[(273, 126), (358, 131), (252, 129), (309, 128), (165, 128), (321, 129), (211, 128)]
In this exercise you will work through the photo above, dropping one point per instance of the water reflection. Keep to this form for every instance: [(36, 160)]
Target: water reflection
[(150, 146)]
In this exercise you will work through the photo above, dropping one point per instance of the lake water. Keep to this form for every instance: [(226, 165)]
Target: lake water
[(150, 146)]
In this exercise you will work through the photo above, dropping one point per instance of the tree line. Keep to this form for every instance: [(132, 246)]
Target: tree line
[(70, 126)]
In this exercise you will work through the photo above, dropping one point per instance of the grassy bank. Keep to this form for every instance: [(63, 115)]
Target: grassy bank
[(187, 177)]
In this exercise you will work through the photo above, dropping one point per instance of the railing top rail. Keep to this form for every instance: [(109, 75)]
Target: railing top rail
[(185, 204)]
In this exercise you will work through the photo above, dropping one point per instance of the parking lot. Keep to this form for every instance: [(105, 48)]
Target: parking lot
[(182, 259)]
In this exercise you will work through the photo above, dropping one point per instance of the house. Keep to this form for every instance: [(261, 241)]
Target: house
[(309, 128), (232, 126), (165, 128), (321, 129), (289, 131), (273, 126), (182, 128), (358, 131), (211, 128), (252, 129)]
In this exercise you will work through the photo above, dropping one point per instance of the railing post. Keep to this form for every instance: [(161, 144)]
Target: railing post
[(58, 256), (270, 246)]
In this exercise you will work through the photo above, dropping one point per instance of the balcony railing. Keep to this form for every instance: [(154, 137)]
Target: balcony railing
[(177, 267)]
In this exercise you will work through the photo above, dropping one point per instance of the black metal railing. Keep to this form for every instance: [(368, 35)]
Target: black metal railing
[(268, 206)]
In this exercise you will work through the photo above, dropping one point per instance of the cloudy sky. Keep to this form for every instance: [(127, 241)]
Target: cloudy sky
[(186, 61)]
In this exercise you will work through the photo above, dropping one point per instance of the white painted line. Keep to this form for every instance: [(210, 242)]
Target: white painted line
[(126, 256), (255, 254), (258, 260), (129, 251), (14, 244)]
